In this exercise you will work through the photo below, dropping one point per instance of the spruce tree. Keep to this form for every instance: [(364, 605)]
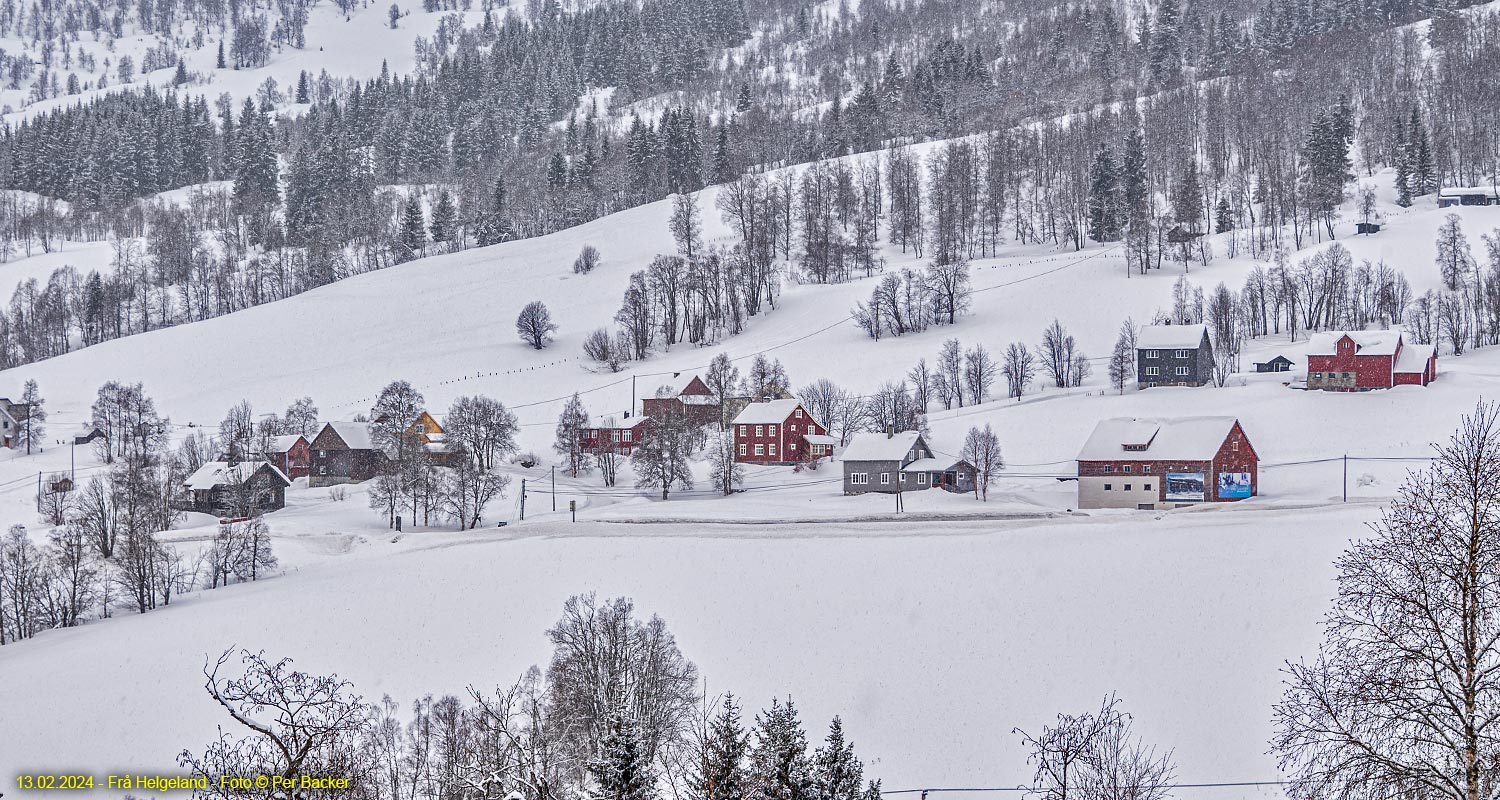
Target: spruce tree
[(837, 774), (413, 233), (1104, 198), (779, 763), (622, 771), (33, 429), (443, 218), (723, 771)]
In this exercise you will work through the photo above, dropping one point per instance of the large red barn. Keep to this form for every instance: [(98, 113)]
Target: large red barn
[(1168, 463), (1357, 361)]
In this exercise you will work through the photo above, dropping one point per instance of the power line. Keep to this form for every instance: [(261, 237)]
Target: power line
[(1028, 789)]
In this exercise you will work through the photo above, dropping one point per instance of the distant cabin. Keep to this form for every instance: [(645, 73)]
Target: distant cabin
[(1166, 463), (1360, 361), (224, 489), (1468, 196), (344, 452), (1278, 364), (1173, 355), (900, 462), (1366, 228)]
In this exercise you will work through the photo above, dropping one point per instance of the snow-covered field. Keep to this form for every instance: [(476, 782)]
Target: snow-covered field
[(932, 634), (932, 640)]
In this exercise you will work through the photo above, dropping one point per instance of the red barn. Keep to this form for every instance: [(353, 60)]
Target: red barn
[(1357, 361), (692, 397), (290, 454), (777, 433), (1150, 464)]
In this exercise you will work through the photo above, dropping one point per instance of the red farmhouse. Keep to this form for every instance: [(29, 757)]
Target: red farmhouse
[(619, 437), (778, 432), (1357, 361), (1168, 463)]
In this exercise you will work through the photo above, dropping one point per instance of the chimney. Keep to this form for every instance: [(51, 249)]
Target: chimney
[(890, 432)]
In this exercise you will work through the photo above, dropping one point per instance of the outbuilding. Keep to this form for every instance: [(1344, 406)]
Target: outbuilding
[(1166, 463), (236, 488), (1359, 361)]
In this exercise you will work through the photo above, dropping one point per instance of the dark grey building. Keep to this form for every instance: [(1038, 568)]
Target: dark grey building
[(900, 462), (1173, 355)]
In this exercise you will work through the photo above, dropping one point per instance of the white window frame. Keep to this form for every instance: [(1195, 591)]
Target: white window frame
[(885, 479), (770, 430), (1152, 371), (922, 478), (742, 449), (1182, 372), (1182, 354), (760, 430), (760, 449), (798, 413), (772, 451), (1153, 354)]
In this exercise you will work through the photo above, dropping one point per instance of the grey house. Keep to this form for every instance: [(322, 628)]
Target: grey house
[(1173, 355), (900, 462)]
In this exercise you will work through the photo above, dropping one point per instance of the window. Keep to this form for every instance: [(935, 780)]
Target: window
[(760, 449), (773, 448), (1146, 486), (792, 446), (771, 430), (322, 454), (617, 436), (1146, 469), (322, 470), (1127, 487), (798, 413), (903, 477), (1125, 469), (742, 449), (1153, 354), (1182, 353), (859, 478), (760, 430), (1153, 370), (1108, 486), (922, 478), (791, 429), (419, 428), (743, 429), (1109, 468), (1182, 371), (627, 435), (885, 479)]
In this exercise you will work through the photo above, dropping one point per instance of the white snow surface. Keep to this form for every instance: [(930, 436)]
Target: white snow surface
[(932, 633)]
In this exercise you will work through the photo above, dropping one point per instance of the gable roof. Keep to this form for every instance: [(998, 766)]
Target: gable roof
[(770, 412), (869, 446), (1181, 439), (355, 435), (282, 444), (220, 473), (1170, 337), (1367, 343), (1414, 357)]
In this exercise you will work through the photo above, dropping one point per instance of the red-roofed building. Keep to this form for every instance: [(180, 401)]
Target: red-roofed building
[(778, 432)]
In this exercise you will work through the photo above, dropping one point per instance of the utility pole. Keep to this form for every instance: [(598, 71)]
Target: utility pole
[(39, 491), (554, 487), (1346, 477), (523, 499), (632, 395)]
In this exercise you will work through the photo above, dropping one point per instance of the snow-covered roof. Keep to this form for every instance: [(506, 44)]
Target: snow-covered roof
[(281, 444), (1460, 191), (878, 447), (1181, 439), (218, 473), (772, 412), (355, 434), (928, 465), (611, 423), (1170, 337), (822, 438), (1367, 343), (1413, 357)]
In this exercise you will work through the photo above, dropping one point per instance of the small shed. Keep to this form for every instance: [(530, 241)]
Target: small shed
[(1279, 363), (1365, 228)]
